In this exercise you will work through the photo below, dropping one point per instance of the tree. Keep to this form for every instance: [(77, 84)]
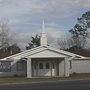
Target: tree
[(79, 32), (63, 43), (35, 42), (13, 49), (85, 18), (5, 34), (7, 43)]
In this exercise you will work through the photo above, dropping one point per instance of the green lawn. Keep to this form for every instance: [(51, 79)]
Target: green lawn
[(23, 79)]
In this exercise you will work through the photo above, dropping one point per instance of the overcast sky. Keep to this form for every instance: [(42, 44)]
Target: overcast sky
[(25, 16)]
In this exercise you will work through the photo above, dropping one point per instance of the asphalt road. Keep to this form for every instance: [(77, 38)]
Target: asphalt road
[(59, 85)]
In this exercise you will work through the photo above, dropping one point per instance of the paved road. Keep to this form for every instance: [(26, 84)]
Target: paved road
[(63, 85)]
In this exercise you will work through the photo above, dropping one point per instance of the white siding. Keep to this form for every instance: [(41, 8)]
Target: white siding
[(80, 66)]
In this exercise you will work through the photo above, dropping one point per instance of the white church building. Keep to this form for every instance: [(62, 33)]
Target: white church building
[(44, 61)]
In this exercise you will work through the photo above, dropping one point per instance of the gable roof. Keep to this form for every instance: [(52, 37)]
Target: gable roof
[(41, 48)]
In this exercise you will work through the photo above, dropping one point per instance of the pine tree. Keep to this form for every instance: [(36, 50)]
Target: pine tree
[(35, 42)]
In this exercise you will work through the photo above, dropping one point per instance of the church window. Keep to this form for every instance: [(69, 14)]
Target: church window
[(47, 66), (70, 64), (20, 65), (5, 66), (40, 66), (53, 65)]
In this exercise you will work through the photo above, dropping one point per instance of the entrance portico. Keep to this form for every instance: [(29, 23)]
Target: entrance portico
[(43, 67)]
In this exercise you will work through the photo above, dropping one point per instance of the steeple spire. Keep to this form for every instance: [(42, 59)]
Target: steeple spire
[(43, 26), (43, 38)]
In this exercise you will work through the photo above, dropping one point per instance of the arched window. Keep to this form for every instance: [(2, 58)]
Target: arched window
[(40, 66), (53, 65), (47, 66)]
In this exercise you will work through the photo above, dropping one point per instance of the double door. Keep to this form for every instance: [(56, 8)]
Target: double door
[(44, 68)]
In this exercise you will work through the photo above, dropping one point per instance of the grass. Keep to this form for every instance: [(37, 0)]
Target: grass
[(4, 80)]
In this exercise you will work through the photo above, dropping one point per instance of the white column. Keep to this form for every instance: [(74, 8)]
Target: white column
[(29, 68), (61, 68), (66, 67)]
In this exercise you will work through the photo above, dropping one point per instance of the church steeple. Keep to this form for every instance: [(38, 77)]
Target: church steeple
[(43, 38)]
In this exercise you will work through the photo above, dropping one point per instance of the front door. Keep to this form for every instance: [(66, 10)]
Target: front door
[(44, 68)]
